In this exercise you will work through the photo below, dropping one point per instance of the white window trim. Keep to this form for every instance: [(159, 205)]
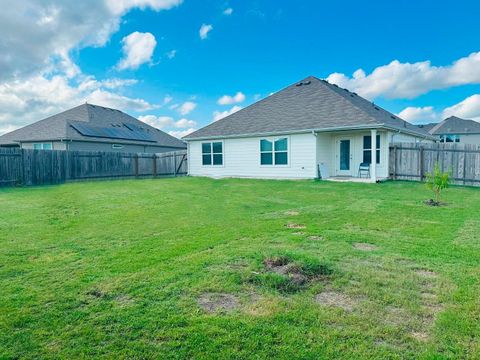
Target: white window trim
[(42, 145), (455, 137), (272, 139), (371, 149), (212, 153), (117, 146)]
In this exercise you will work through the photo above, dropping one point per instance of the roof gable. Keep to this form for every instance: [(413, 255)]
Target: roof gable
[(311, 104), (456, 125)]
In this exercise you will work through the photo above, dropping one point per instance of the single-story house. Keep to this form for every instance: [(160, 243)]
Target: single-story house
[(455, 130), (310, 129), (92, 128)]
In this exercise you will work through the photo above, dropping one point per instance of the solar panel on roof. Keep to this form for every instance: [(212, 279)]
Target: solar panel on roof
[(112, 133)]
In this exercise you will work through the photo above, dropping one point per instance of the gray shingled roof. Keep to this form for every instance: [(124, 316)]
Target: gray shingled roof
[(316, 105), (456, 125), (58, 127)]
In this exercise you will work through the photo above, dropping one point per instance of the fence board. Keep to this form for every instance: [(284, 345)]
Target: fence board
[(39, 167), (409, 161)]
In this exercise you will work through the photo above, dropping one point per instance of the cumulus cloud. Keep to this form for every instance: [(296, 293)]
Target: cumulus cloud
[(39, 35), (158, 122), (419, 114), (204, 30), (229, 100), (185, 123), (137, 49), (187, 107), (217, 115), (409, 80), (181, 133), (467, 109), (228, 11)]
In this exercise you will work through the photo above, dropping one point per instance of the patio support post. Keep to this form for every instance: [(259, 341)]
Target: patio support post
[(373, 165)]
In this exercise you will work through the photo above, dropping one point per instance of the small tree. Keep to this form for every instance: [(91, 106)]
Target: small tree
[(437, 181)]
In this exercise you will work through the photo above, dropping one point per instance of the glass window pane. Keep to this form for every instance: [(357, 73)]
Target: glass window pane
[(206, 160), (217, 147), (206, 148), (281, 158), (367, 142), (265, 145), (281, 144), (266, 158), (37, 146), (217, 159), (378, 142), (378, 156), (47, 146), (367, 156)]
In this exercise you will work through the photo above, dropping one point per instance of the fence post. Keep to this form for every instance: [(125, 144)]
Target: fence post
[(154, 159), (22, 167), (395, 162), (136, 164), (174, 164), (421, 159)]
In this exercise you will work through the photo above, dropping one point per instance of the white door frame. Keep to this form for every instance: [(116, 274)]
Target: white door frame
[(338, 171)]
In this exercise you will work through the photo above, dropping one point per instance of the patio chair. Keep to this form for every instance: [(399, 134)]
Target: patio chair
[(364, 168)]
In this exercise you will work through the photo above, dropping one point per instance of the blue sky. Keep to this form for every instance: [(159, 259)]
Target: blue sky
[(419, 58)]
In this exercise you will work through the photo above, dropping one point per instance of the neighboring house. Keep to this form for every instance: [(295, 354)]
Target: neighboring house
[(92, 128), (309, 129), (455, 130)]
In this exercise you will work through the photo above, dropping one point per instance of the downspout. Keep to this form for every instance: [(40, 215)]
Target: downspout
[(317, 165)]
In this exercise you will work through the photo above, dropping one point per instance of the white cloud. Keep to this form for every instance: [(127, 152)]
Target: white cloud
[(171, 54), (419, 114), (181, 133), (204, 30), (38, 36), (137, 49), (184, 123), (121, 6), (217, 115), (469, 108), (409, 80), (116, 101), (228, 11), (158, 122), (187, 107), (229, 100), (167, 99)]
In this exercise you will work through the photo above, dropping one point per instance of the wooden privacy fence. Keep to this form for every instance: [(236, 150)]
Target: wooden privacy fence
[(39, 167), (412, 161)]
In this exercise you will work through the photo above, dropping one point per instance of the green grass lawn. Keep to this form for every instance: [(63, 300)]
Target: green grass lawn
[(200, 268)]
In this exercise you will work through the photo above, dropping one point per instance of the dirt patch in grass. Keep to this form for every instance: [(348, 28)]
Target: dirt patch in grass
[(299, 233), (336, 299), (295, 226), (365, 246), (425, 273), (97, 294), (124, 300), (431, 202), (218, 302), (315, 237), (292, 213), (420, 336)]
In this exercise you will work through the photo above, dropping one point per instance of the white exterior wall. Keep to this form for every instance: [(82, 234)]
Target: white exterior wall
[(473, 139), (241, 158)]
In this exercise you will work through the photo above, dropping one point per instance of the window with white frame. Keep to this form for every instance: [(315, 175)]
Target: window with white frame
[(449, 138), (212, 153), (367, 149), (274, 151), (42, 146)]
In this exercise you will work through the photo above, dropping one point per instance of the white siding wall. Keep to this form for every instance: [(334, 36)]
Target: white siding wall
[(241, 158), (470, 139)]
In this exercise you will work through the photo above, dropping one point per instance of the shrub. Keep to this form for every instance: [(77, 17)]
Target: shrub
[(437, 181)]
